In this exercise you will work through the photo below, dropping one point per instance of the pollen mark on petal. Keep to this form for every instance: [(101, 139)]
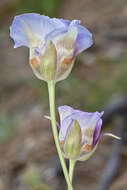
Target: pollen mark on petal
[(62, 143), (87, 147), (66, 62), (34, 62)]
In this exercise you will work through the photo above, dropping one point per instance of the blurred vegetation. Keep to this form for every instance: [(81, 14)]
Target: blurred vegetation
[(41, 89), (7, 128), (33, 179), (92, 91), (46, 7)]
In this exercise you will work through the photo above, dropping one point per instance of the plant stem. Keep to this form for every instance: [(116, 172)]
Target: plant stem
[(51, 90), (71, 168)]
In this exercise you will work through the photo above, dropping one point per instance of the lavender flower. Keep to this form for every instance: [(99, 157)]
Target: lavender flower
[(53, 43), (79, 132)]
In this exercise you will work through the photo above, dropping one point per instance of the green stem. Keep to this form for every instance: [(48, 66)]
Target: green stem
[(71, 168), (51, 90)]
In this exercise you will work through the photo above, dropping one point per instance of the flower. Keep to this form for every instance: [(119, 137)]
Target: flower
[(80, 132), (53, 43)]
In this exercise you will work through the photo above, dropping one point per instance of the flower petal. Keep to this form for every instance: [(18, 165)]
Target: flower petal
[(66, 22), (64, 111), (66, 119), (88, 132), (87, 155), (85, 119), (97, 132), (34, 62), (65, 45), (32, 28), (64, 129), (83, 41), (65, 71)]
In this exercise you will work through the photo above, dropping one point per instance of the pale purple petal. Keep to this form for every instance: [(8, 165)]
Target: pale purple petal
[(57, 32), (64, 129), (66, 22), (97, 132), (86, 156), (66, 25), (84, 40), (41, 28), (85, 119), (84, 37), (94, 119), (58, 126), (64, 111), (38, 24)]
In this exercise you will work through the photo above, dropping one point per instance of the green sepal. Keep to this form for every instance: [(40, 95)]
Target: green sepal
[(73, 141), (48, 64)]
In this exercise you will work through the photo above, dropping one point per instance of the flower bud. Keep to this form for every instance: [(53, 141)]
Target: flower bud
[(80, 133)]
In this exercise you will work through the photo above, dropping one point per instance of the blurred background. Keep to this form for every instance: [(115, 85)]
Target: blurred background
[(28, 158)]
